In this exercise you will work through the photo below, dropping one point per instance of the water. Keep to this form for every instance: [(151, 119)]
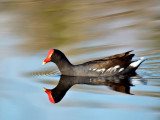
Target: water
[(83, 30)]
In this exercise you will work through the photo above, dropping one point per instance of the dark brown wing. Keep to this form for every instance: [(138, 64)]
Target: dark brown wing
[(118, 56), (123, 60)]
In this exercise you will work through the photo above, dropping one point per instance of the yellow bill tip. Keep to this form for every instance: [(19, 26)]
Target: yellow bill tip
[(44, 89), (43, 63)]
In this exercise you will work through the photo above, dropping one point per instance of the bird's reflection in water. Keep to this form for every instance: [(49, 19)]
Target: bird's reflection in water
[(116, 83)]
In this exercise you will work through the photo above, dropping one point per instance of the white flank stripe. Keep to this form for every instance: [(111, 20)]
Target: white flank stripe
[(109, 69), (117, 66), (120, 70), (98, 70)]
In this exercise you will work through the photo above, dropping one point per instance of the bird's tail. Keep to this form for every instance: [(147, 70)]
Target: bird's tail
[(134, 65), (137, 63)]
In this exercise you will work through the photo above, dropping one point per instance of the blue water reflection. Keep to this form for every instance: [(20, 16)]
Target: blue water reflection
[(84, 30)]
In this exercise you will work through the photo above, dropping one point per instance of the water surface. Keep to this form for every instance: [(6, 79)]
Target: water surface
[(83, 30)]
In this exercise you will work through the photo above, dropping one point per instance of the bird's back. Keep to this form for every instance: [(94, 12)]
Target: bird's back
[(107, 66)]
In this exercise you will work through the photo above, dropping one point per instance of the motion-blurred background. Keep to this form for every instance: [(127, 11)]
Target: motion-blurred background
[(83, 30)]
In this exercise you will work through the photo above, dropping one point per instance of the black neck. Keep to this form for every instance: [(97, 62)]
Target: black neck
[(62, 62)]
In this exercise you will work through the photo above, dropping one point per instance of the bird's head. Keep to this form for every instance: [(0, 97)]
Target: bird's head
[(48, 59)]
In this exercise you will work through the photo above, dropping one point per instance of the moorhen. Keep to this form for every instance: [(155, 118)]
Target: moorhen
[(118, 64)]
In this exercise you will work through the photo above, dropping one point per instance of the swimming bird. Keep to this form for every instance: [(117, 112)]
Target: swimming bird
[(119, 64)]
